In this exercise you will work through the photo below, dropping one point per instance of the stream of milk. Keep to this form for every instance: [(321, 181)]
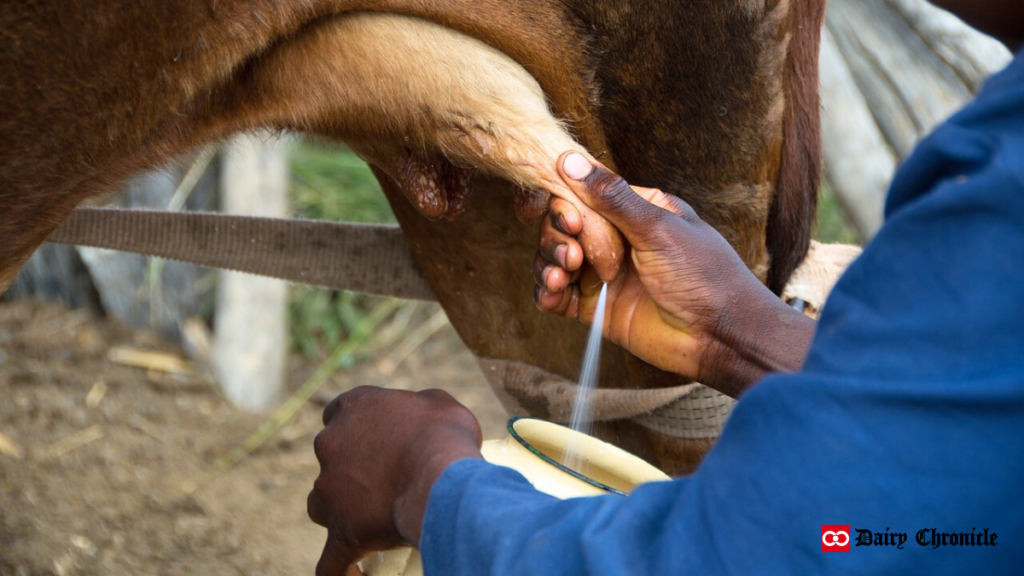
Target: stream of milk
[(582, 409)]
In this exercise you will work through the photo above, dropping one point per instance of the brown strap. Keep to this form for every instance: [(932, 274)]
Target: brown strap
[(369, 258)]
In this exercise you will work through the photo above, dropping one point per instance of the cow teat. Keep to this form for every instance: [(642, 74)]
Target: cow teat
[(435, 186)]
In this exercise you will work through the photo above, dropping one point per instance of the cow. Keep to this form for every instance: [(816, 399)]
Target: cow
[(461, 108)]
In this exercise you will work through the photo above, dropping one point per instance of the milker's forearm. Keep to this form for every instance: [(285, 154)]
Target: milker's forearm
[(756, 340)]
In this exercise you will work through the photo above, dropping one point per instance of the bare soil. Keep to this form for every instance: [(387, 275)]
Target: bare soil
[(97, 488)]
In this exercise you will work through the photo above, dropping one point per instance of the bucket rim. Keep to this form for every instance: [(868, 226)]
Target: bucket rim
[(510, 426)]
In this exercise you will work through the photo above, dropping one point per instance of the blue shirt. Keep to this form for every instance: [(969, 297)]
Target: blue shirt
[(907, 416)]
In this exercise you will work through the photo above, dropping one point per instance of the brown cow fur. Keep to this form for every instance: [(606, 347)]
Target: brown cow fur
[(713, 100), (92, 95)]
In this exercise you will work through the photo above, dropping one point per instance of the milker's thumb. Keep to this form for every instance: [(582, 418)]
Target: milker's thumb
[(609, 195)]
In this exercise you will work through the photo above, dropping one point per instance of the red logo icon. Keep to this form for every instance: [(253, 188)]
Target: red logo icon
[(835, 537)]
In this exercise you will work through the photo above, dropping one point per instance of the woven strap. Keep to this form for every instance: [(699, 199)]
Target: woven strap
[(814, 279), (375, 259), (690, 411), (369, 258)]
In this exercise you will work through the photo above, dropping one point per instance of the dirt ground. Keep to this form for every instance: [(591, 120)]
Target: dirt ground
[(94, 454)]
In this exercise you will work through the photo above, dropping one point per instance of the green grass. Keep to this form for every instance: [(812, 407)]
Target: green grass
[(329, 182)]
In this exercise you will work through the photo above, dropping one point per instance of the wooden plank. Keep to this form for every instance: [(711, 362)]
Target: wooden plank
[(909, 89), (149, 360), (891, 70), (858, 161), (10, 448), (971, 54)]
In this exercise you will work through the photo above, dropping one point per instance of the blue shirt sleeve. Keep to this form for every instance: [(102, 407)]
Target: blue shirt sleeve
[(908, 417)]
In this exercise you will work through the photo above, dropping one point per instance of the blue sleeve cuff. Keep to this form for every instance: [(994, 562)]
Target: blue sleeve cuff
[(468, 483)]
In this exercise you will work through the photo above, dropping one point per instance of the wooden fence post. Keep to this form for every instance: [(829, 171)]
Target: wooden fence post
[(250, 334), (858, 161)]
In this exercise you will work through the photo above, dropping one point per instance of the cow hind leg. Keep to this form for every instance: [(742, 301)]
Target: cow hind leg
[(416, 99)]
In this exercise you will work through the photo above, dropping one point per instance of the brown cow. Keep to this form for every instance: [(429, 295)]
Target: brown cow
[(713, 100)]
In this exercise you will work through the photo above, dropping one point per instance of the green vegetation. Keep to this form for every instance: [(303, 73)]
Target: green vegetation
[(329, 182), (831, 224)]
